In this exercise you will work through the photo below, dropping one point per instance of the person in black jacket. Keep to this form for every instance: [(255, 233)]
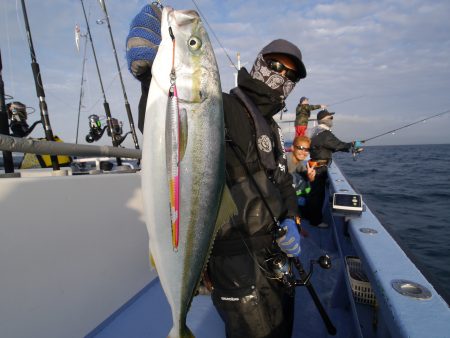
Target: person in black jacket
[(245, 291), (323, 145), (238, 267)]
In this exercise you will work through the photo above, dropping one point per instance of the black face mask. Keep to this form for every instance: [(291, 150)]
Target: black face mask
[(271, 78)]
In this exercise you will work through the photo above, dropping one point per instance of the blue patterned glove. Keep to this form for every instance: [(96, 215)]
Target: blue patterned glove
[(290, 242), (357, 145), (143, 41)]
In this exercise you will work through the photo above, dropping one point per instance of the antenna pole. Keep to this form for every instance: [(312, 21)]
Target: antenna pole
[(39, 88), (127, 105), (105, 103), (81, 88), (238, 68)]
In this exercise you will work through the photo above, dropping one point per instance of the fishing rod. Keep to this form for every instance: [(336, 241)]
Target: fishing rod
[(39, 88), (82, 81), (4, 126), (215, 36), (127, 105), (281, 266), (105, 103), (345, 100), (406, 126)]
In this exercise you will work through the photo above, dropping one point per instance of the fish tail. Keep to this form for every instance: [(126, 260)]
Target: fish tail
[(180, 332)]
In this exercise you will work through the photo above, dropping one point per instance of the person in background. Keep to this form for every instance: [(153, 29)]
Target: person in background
[(302, 114), (323, 145), (302, 173), (247, 297)]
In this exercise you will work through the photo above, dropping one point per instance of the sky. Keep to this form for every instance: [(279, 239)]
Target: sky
[(379, 65)]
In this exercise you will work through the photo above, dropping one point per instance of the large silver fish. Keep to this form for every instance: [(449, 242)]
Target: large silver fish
[(183, 160)]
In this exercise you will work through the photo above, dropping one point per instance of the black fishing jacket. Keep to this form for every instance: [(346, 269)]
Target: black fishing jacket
[(324, 144), (276, 185)]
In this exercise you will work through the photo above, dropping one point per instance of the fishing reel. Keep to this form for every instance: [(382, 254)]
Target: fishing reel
[(281, 266), (117, 128), (17, 115), (356, 151), (95, 129)]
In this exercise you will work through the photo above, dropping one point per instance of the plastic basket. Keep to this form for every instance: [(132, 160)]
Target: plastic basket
[(361, 288)]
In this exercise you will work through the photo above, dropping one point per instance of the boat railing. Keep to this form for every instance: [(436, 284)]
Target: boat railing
[(408, 303), (43, 147), (87, 153)]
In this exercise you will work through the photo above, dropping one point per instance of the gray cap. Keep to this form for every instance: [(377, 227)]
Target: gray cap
[(288, 48)]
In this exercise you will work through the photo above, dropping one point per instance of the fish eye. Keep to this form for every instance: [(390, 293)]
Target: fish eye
[(194, 43)]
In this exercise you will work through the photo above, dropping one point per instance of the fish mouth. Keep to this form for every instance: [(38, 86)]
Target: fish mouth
[(183, 17)]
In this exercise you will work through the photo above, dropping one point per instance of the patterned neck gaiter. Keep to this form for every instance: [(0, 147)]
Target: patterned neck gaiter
[(274, 80)]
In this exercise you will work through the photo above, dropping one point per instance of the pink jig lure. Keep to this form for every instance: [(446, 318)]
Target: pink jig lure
[(173, 153)]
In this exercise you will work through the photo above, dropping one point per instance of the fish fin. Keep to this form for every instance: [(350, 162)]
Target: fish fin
[(183, 132), (227, 208), (182, 332)]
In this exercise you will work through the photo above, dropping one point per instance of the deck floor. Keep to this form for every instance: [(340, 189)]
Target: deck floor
[(148, 315)]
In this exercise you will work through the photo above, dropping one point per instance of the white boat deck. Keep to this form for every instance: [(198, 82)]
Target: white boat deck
[(74, 263)]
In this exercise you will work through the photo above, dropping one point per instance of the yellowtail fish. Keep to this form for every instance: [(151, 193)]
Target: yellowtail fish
[(184, 136)]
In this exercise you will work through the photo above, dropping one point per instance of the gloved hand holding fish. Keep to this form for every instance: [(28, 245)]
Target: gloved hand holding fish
[(183, 164)]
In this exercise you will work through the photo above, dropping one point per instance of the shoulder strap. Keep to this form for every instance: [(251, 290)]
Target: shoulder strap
[(252, 179), (262, 128)]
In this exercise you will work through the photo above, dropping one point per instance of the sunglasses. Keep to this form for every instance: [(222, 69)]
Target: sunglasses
[(278, 67), (301, 148)]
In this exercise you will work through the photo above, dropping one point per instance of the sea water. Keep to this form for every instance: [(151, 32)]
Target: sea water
[(408, 188)]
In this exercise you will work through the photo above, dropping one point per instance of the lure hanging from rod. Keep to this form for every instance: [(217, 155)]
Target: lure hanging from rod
[(173, 152)]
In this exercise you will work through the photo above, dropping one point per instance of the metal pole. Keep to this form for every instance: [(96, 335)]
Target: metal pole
[(39, 88), (127, 105), (4, 125), (105, 103), (81, 88), (32, 146)]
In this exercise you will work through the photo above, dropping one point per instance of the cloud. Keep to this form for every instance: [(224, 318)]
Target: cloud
[(393, 53)]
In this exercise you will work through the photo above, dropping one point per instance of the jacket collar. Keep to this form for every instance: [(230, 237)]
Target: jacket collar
[(324, 126)]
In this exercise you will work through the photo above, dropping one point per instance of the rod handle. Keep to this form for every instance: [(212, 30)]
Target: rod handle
[(37, 79)]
